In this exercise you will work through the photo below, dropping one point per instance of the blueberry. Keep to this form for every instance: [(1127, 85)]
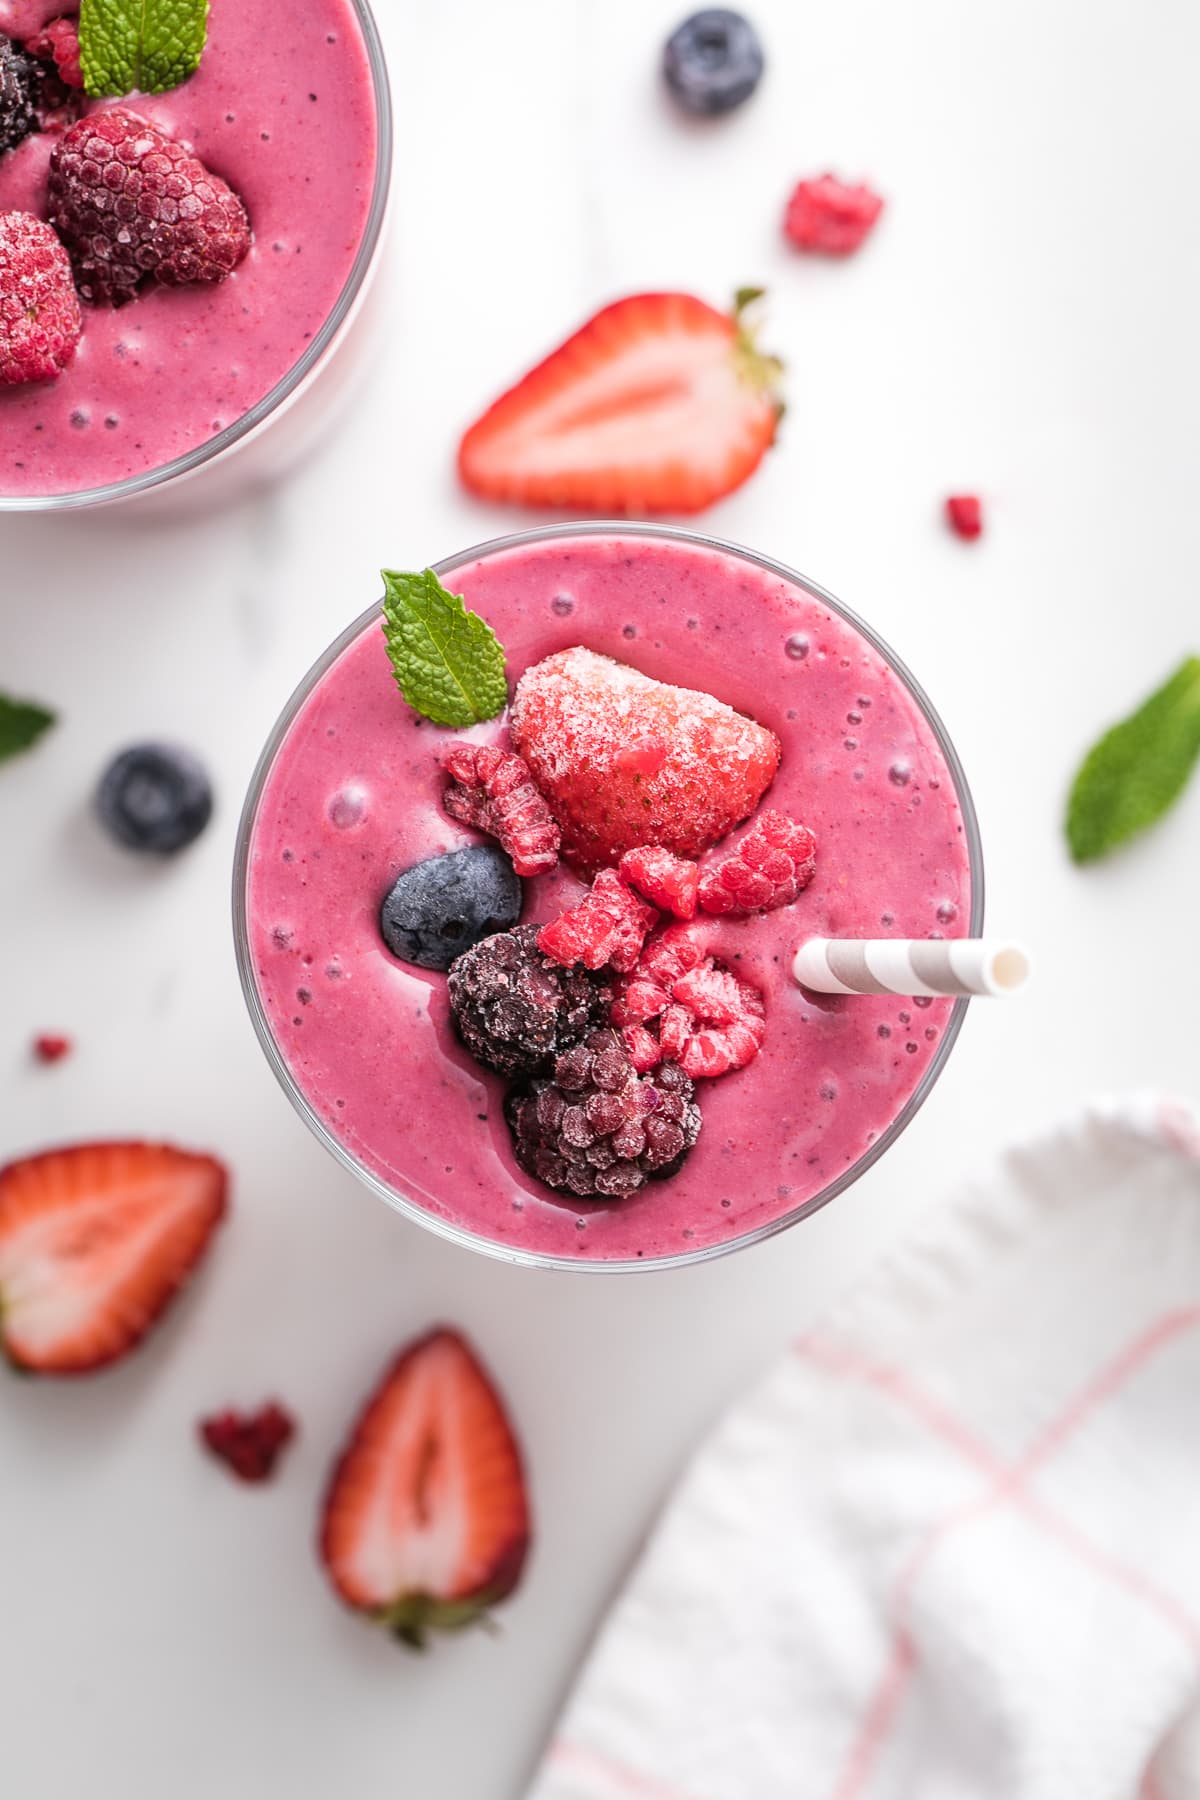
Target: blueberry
[(155, 797), (713, 61), (438, 909)]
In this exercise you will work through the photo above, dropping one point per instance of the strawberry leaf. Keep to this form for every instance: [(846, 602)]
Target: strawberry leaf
[(1138, 769), (142, 45), (448, 662), (21, 725)]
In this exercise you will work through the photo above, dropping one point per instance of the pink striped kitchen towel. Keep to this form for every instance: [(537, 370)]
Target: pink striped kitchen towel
[(950, 1548)]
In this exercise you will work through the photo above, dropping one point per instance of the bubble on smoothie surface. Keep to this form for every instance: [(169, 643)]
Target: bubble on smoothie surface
[(281, 937), (900, 773), (348, 807), (562, 606), (797, 646), (947, 912)]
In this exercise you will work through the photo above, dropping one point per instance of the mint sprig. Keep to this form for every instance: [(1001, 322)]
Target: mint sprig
[(448, 662), (1136, 771), (147, 45), (21, 725)]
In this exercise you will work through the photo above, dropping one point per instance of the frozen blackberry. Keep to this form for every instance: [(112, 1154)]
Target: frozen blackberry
[(599, 1130), (20, 80), (515, 1009)]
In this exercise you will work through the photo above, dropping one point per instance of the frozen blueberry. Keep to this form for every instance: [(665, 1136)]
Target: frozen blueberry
[(155, 797), (438, 909), (713, 61)]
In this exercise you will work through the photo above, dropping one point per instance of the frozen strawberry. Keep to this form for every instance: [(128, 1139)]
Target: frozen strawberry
[(774, 861), (95, 1241), (58, 42), (964, 515), (670, 882), (40, 321), (51, 1046), (426, 1523), (829, 216), (658, 404), (681, 1005), (491, 790), (605, 931), (132, 205), (626, 761), (250, 1444)]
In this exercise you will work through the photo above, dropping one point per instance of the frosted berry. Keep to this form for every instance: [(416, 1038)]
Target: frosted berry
[(492, 790), (669, 882), (830, 217), (713, 61), (39, 309), (19, 83), (58, 43), (775, 860), (964, 515), (132, 205), (437, 909), (682, 1005), (606, 930), (515, 1009), (598, 1129), (155, 798)]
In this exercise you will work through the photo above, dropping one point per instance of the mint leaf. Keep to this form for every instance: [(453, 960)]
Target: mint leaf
[(21, 725), (1138, 769), (150, 45), (447, 661)]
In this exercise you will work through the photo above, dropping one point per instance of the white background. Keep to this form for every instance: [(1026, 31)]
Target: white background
[(1022, 323)]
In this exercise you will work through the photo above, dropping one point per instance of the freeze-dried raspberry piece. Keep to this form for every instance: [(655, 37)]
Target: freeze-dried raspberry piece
[(829, 216), (58, 42), (670, 882), (606, 930), (491, 790), (774, 861), (964, 515), (690, 1008)]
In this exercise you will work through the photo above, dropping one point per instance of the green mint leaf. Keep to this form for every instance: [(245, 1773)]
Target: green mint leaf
[(1138, 769), (21, 725), (447, 661), (147, 45)]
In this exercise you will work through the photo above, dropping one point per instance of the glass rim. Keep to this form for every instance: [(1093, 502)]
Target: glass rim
[(402, 1203), (293, 379)]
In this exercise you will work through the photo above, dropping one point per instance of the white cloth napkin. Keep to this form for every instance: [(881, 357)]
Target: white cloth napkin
[(950, 1548)]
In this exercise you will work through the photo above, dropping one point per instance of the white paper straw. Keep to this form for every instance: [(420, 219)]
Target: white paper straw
[(961, 967)]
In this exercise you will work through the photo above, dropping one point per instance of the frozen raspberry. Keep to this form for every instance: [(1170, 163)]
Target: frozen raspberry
[(964, 515), (51, 1046), (682, 1005), (133, 206), (670, 882), (492, 790), (830, 216), (515, 1009), (774, 861), (58, 43), (249, 1443), (20, 80), (606, 930), (598, 1130), (39, 308)]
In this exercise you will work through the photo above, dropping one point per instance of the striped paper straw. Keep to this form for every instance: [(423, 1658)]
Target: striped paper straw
[(956, 966)]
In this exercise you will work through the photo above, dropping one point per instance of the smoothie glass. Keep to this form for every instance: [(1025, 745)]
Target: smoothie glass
[(837, 1081), (288, 419)]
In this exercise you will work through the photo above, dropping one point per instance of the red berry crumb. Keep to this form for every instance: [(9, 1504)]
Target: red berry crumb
[(40, 320), (132, 205), (774, 861), (682, 1005), (964, 515), (606, 929), (58, 42), (492, 790), (249, 1443), (670, 882), (829, 216), (51, 1047)]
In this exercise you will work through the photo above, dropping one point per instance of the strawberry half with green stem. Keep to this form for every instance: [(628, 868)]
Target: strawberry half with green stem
[(660, 403), (426, 1523), (95, 1242)]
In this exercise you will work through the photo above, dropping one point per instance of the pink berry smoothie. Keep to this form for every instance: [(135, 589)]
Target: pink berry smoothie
[(283, 107), (351, 798)]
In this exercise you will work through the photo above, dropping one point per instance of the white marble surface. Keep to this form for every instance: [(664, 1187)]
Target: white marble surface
[(1023, 323)]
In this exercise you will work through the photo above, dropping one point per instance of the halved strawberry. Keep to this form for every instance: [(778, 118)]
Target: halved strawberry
[(658, 404), (426, 1521), (95, 1241)]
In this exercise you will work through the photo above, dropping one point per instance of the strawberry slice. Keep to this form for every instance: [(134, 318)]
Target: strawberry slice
[(426, 1520), (658, 404), (95, 1241)]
